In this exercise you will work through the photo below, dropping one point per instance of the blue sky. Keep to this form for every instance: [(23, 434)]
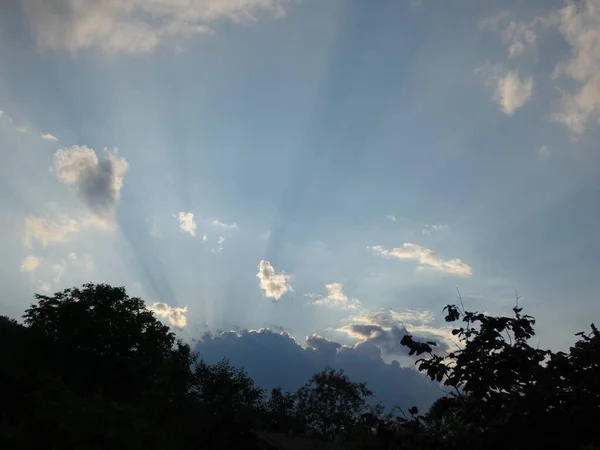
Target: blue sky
[(363, 157)]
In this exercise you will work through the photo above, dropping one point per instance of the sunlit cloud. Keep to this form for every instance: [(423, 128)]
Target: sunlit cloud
[(135, 25), (175, 315), (337, 299), (31, 263), (187, 224), (273, 285), (427, 258)]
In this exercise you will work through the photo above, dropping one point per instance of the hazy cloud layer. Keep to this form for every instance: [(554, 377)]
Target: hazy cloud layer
[(97, 181), (273, 285), (276, 359), (134, 25), (175, 315), (427, 258)]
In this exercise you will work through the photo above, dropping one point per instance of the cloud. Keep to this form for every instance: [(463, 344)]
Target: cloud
[(391, 217), (512, 92), (274, 285), (48, 137), (187, 224), (98, 182), (220, 240), (175, 315), (226, 226), (580, 25), (425, 257), (47, 231), (135, 25), (386, 328), (21, 129), (428, 229), (30, 263), (277, 359), (544, 151), (336, 298)]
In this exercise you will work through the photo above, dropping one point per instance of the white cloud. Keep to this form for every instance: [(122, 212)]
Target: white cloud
[(21, 129), (425, 257), (274, 285), (337, 299), (204, 238), (1, 113), (226, 226), (391, 217), (135, 25), (187, 224), (98, 182), (47, 231), (48, 137), (220, 240), (512, 92), (580, 25), (428, 229), (30, 263), (175, 315)]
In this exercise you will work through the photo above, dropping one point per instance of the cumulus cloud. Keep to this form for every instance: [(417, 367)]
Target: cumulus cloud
[(277, 359), (274, 285), (48, 137), (47, 231), (135, 25), (175, 315), (187, 224), (427, 258), (30, 263), (226, 226), (98, 182), (337, 299), (386, 328), (580, 25)]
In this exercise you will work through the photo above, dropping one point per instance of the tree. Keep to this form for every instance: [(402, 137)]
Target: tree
[(329, 403), (507, 394)]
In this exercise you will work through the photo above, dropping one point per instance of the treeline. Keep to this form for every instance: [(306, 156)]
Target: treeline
[(92, 368)]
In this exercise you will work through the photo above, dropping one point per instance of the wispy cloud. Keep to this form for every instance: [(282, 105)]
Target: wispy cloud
[(580, 25), (425, 257), (512, 92), (135, 25), (31, 263), (429, 229), (47, 231), (48, 137), (391, 217), (226, 226), (274, 285), (175, 315), (187, 224)]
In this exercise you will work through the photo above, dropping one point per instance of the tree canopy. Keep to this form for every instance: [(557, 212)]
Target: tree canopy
[(92, 368)]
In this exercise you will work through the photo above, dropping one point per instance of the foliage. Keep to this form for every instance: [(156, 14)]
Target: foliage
[(92, 368)]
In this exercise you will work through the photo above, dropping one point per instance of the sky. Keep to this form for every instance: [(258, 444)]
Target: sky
[(305, 177)]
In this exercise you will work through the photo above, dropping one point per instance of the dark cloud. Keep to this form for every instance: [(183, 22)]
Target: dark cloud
[(276, 359)]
